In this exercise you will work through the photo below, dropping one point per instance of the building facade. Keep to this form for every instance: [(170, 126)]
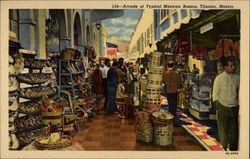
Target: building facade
[(154, 26), (51, 30)]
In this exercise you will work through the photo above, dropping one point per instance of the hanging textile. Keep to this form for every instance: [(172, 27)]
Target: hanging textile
[(237, 48), (199, 53), (183, 44), (225, 47)]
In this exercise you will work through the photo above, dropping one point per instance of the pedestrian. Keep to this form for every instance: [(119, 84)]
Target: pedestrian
[(172, 82), (112, 84), (98, 88), (225, 96), (121, 65), (131, 78), (120, 99), (105, 70)]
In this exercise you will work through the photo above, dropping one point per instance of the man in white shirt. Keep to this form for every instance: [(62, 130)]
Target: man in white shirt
[(225, 95), (104, 76)]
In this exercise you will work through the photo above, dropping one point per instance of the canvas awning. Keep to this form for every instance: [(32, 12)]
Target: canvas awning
[(226, 22)]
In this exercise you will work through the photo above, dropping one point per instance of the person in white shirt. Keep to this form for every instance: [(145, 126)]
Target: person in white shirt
[(105, 70), (225, 95)]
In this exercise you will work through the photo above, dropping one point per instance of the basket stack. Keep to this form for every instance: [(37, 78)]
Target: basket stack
[(163, 127), (144, 129), (154, 85)]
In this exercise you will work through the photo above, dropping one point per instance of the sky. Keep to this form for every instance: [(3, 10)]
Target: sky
[(120, 29)]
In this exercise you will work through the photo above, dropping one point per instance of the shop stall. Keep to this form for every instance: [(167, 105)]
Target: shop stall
[(204, 42)]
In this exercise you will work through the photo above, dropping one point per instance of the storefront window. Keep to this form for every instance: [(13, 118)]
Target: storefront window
[(175, 16), (14, 21), (183, 13)]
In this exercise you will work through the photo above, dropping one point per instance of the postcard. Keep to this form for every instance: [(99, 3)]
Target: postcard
[(116, 79)]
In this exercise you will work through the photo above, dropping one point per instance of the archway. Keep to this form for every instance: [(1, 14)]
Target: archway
[(56, 30), (77, 31)]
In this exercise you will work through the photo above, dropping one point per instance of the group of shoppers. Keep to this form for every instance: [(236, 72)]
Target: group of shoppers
[(113, 83)]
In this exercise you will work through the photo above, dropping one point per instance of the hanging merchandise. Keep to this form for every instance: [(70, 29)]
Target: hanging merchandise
[(183, 44), (237, 48), (225, 47), (199, 53)]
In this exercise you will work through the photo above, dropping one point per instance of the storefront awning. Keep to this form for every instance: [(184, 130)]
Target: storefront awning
[(194, 25)]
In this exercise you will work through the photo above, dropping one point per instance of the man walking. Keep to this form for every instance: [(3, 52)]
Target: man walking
[(172, 82), (225, 95)]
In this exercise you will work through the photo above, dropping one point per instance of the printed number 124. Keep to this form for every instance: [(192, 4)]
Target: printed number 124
[(115, 6)]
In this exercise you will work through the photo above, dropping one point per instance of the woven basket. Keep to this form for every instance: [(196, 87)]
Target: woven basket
[(156, 55), (155, 70), (153, 93), (163, 135), (144, 137), (55, 118), (62, 143), (158, 122)]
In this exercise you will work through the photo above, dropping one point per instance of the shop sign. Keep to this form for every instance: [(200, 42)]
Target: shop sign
[(47, 70), (206, 28)]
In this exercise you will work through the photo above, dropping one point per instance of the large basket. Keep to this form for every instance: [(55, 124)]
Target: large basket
[(153, 93), (155, 70), (54, 118), (163, 135), (62, 143), (144, 137), (160, 122)]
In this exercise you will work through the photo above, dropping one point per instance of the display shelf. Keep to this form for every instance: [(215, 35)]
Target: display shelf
[(37, 97), (11, 94), (30, 128), (14, 75), (14, 91), (201, 99), (40, 76), (199, 115), (73, 73), (29, 113), (37, 89), (203, 111)]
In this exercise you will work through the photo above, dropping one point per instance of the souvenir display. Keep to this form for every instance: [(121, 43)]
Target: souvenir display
[(35, 78)]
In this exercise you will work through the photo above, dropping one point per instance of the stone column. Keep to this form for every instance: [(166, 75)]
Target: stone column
[(27, 28), (41, 34)]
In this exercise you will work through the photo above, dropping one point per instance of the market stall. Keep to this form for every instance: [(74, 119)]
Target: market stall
[(204, 42)]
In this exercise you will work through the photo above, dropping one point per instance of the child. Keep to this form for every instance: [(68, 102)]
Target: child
[(120, 98)]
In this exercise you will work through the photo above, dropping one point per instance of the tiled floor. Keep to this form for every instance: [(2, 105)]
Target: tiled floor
[(108, 132)]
